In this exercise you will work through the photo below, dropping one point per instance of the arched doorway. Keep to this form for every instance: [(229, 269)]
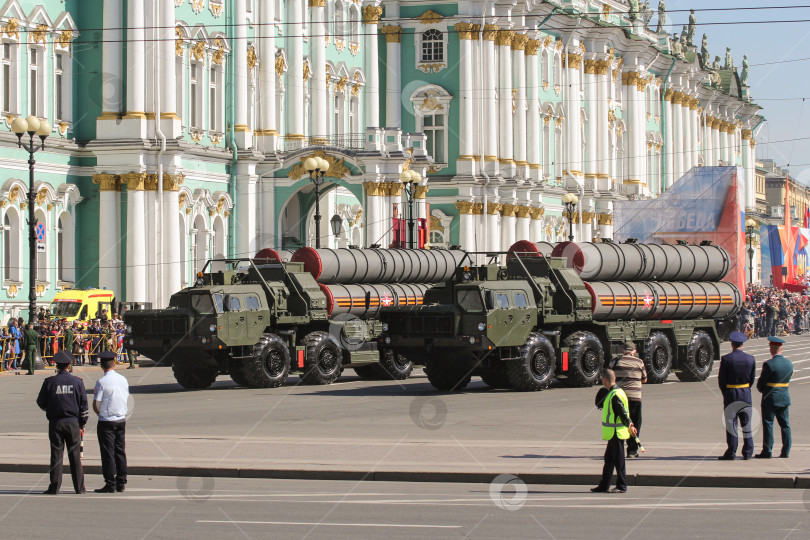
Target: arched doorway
[(297, 218)]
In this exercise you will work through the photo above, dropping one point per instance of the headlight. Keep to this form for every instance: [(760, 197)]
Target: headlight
[(481, 327), (466, 276), (129, 329), (213, 328), (387, 340), (385, 327), (132, 342), (472, 340), (203, 340), (200, 282)]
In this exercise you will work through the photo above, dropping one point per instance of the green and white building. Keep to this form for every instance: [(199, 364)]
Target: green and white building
[(181, 127)]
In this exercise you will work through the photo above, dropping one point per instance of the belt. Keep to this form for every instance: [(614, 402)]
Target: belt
[(737, 385), (777, 384), (611, 425)]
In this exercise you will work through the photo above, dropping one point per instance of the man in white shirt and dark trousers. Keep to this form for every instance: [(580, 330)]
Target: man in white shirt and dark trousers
[(110, 403)]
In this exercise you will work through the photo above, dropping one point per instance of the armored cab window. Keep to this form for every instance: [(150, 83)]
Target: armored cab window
[(252, 302), (520, 300), (202, 303), (502, 300), (469, 300), (233, 302), (218, 302)]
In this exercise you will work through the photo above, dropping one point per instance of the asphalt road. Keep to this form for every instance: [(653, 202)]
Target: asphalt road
[(168, 507)]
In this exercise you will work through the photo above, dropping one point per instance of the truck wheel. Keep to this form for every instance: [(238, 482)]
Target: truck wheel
[(394, 366), (445, 374), (323, 358), (496, 379), (237, 374), (586, 357), (194, 375), (657, 358), (267, 368), (535, 368), (699, 358)]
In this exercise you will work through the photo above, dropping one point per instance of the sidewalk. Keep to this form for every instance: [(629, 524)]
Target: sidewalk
[(536, 462)]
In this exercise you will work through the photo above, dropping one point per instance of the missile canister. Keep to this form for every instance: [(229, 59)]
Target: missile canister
[(524, 247), (641, 262), (366, 300), (621, 300), (347, 266), (268, 255)]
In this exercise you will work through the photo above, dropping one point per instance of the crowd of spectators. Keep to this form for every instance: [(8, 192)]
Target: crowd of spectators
[(768, 311), (84, 339)]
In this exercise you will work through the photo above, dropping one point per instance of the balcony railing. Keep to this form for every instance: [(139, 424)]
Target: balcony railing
[(349, 141)]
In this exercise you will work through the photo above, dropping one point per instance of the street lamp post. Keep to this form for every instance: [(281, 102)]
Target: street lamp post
[(337, 226), (33, 126), (317, 167), (750, 225), (570, 201), (411, 180)]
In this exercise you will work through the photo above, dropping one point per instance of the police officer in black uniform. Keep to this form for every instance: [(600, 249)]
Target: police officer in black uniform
[(736, 377), (64, 401)]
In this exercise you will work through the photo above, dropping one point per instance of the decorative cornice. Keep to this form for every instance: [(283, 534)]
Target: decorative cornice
[(509, 210), (107, 182), (465, 208), (537, 213), (504, 38), (493, 208), (532, 46), (317, 3), (519, 42), (430, 17), (134, 181), (336, 169), (392, 33), (467, 31), (372, 14), (172, 182), (490, 32), (605, 219)]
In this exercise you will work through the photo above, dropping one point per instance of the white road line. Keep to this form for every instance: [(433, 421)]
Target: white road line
[(800, 378), (327, 524)]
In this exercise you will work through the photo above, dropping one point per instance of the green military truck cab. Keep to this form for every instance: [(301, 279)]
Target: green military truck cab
[(255, 323), (521, 325)]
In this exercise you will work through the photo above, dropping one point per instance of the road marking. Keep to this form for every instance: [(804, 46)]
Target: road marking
[(801, 378), (328, 524)]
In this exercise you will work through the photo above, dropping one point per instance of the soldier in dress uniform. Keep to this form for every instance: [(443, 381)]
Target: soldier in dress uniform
[(64, 401), (736, 377), (773, 384)]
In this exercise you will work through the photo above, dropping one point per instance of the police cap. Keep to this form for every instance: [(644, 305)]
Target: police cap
[(774, 339), (63, 357), (737, 337), (107, 355)]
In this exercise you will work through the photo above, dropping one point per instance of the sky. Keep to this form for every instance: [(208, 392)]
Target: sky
[(776, 87)]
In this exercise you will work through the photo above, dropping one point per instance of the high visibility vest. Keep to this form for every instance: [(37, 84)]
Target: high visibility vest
[(611, 424)]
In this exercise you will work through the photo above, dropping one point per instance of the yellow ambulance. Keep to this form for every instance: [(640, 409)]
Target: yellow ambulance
[(82, 304)]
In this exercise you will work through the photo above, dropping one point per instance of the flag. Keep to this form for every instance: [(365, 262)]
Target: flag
[(789, 277), (807, 217)]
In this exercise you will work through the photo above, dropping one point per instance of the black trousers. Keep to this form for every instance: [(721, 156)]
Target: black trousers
[(635, 417), (65, 433), (113, 452), (733, 412), (614, 459)]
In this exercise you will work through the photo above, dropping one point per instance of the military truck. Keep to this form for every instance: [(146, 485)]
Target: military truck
[(258, 323), (522, 324)]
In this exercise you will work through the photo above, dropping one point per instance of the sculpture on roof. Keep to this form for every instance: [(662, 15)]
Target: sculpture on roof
[(662, 17), (683, 34), (675, 46), (704, 51), (729, 63), (646, 12), (634, 10), (690, 35), (716, 63), (744, 73)]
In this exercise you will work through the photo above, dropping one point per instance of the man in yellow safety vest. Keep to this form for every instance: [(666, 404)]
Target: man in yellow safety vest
[(616, 429)]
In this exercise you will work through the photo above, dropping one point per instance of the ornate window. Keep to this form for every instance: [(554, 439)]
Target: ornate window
[(431, 106), (61, 87), (10, 76), (340, 19), (36, 79), (432, 49), (65, 249), (12, 246), (354, 24), (195, 95), (440, 229)]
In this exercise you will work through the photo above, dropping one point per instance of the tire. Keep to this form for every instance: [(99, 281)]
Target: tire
[(657, 358), (368, 371), (535, 368), (194, 375), (394, 366), (267, 368), (699, 359), (496, 379), (586, 358), (322, 360), (445, 374), (237, 375)]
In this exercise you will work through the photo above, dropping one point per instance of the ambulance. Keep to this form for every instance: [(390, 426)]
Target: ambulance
[(82, 304)]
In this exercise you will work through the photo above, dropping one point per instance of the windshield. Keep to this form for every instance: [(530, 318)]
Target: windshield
[(201, 303), (470, 300), (65, 308)]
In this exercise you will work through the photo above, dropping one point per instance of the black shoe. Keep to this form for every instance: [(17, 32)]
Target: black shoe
[(105, 489), (618, 490), (763, 455), (632, 454), (50, 492), (120, 489), (81, 491), (598, 489), (784, 455), (726, 457), (746, 458)]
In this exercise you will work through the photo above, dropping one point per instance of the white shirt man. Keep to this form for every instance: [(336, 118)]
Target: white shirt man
[(110, 403)]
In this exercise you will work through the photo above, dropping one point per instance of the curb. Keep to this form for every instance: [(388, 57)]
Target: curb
[(755, 482)]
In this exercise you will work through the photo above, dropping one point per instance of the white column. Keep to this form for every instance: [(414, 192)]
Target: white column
[(534, 142), (708, 142), (677, 134), (466, 226), (112, 91), (536, 226), (591, 91), (492, 213), (168, 64), (109, 232), (687, 134), (636, 149), (523, 224), (695, 121), (136, 60), (490, 91), (245, 206), (748, 143), (295, 72), (172, 272), (508, 226), (318, 109), (505, 148), (573, 148), (371, 18), (603, 161), (136, 238), (465, 164), (244, 138), (374, 224), (669, 141), (717, 151), (268, 127), (519, 70), (268, 217), (393, 76)]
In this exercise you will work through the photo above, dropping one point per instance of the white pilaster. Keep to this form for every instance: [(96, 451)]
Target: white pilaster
[(246, 207), (677, 133), (523, 225), (172, 272), (244, 137), (371, 17), (573, 96), (603, 160), (393, 76), (493, 226), (319, 116), (534, 142), (112, 91), (519, 138), (505, 87), (465, 164), (136, 244), (109, 237), (490, 91), (268, 128), (466, 229), (508, 226), (295, 72), (168, 74), (669, 141), (687, 134)]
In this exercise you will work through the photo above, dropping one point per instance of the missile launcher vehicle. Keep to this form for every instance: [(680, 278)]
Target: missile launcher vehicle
[(523, 324)]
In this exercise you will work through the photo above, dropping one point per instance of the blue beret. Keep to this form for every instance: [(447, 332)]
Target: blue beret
[(737, 337), (63, 357), (774, 339), (107, 355)]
